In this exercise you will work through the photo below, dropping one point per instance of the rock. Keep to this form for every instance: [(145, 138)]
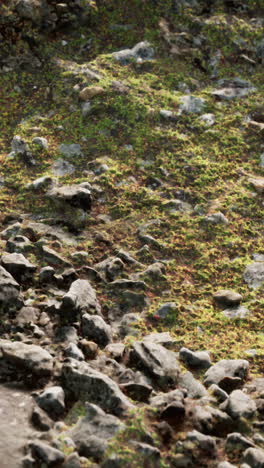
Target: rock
[(91, 91), (239, 312), (203, 442), (227, 368), (167, 115), (260, 50), (198, 359), (239, 405), (72, 461), (167, 309), (123, 283), (193, 387), (86, 108), (93, 431), (216, 218), (140, 52), (226, 297), (191, 105), (75, 196), (42, 142), (173, 413), (18, 266), (207, 119), (27, 315), (61, 168), (115, 350), (74, 352), (20, 148), (52, 257), (88, 384), (66, 334), (254, 274), (218, 392), (46, 274), (30, 357), (225, 464), (210, 420), (233, 88), (156, 360), (258, 184), (177, 205), (153, 272), (254, 457), (148, 451), (44, 453), (80, 298), (10, 230), (89, 348), (95, 329), (52, 401), (236, 443), (70, 150), (164, 339), (9, 291), (110, 268), (40, 183), (40, 420)]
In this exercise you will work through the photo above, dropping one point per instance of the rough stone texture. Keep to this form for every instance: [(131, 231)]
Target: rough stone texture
[(91, 385), (226, 297), (52, 257), (227, 368), (194, 388), (254, 274), (9, 291), (45, 453), (90, 92), (52, 401), (94, 328), (254, 457), (17, 265), (239, 312), (80, 298), (198, 359), (93, 431), (76, 196), (239, 405), (191, 105), (61, 168), (156, 360), (30, 357), (140, 52)]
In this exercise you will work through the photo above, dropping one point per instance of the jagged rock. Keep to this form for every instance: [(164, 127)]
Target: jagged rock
[(239, 405), (258, 184), (123, 283), (74, 195), (10, 230), (46, 274), (128, 325), (40, 141), (225, 464), (166, 309), (9, 291), (227, 369), (218, 393), (126, 257), (163, 338), (191, 105), (233, 88), (110, 267), (153, 272), (17, 265), (40, 183), (140, 52), (193, 387), (30, 357), (198, 359), (19, 244), (211, 420), (52, 257), (177, 205), (93, 431), (226, 297), (52, 401), (156, 360), (72, 461), (61, 168), (148, 451), (45, 453), (88, 384), (74, 352), (235, 443), (254, 274), (80, 298), (137, 391), (254, 457), (66, 334), (207, 119), (115, 350), (236, 312), (95, 329), (27, 315), (216, 218), (40, 420)]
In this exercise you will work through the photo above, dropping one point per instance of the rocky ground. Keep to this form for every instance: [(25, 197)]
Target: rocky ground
[(132, 257)]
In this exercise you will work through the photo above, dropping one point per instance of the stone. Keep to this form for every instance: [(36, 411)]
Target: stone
[(148, 451), (254, 274), (20, 148), (204, 442), (239, 405), (191, 105), (61, 168), (76, 196), (52, 257), (207, 119), (45, 453), (258, 184), (110, 268), (137, 391), (225, 464), (89, 348), (167, 115), (177, 205), (86, 108), (164, 338), (9, 291), (216, 218), (233, 88), (227, 297), (30, 357), (239, 312), (18, 266), (218, 393), (88, 384), (193, 387), (165, 310), (41, 142), (235, 443), (95, 329), (40, 420), (46, 274), (91, 91), (74, 352), (157, 361), (198, 359), (40, 183), (140, 52), (19, 244), (115, 350), (254, 457), (80, 298), (72, 461), (260, 50), (123, 283), (210, 420), (93, 431), (231, 368), (51, 400), (70, 150), (27, 315)]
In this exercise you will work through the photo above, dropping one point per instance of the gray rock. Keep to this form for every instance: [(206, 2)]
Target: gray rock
[(167, 309), (193, 387), (148, 451), (226, 297), (45, 453), (261, 163), (227, 368), (27, 315), (20, 148), (40, 183), (225, 464), (163, 338), (72, 461), (94, 328), (137, 391), (233, 88), (42, 142), (208, 119), (9, 291), (156, 360), (191, 105), (40, 420), (17, 265), (211, 420), (239, 405), (19, 244), (235, 442), (216, 218), (115, 350), (93, 431), (177, 205), (86, 108), (52, 257), (70, 150), (52, 401), (239, 312), (80, 298), (254, 457), (204, 442), (218, 392), (198, 359), (254, 275), (61, 168), (123, 283), (140, 52), (73, 195), (128, 325), (167, 115), (29, 357), (46, 274), (74, 352), (10, 230), (66, 334), (88, 384), (110, 268)]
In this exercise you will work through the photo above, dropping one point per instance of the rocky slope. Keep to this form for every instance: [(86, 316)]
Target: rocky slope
[(132, 259)]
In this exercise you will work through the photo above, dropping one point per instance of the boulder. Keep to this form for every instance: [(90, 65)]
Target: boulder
[(254, 275), (44, 453), (239, 405), (80, 298), (94, 328), (9, 291), (76, 196), (197, 359), (52, 401), (32, 358), (226, 372), (17, 265), (226, 297)]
